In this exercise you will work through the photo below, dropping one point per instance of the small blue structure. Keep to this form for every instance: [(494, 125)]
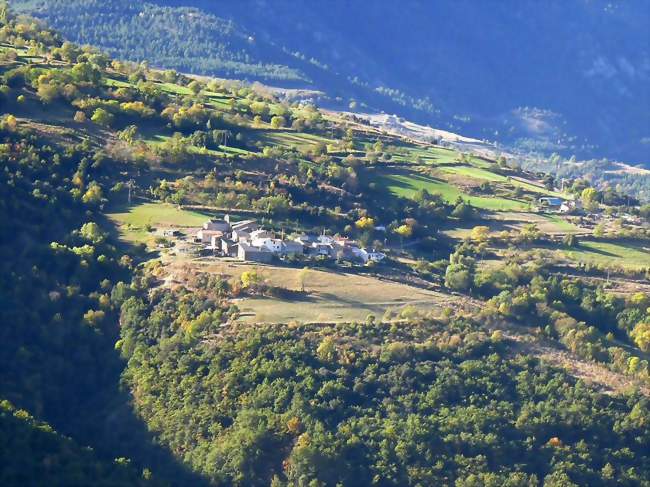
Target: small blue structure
[(551, 202)]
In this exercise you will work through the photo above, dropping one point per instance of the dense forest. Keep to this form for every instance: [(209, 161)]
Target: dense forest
[(425, 403), (198, 43), (113, 373)]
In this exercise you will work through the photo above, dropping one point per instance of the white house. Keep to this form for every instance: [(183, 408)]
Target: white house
[(551, 203), (322, 249), (368, 255), (241, 236), (229, 248), (271, 244), (316, 245), (570, 206), (306, 240), (292, 248), (249, 253), (215, 242), (325, 240), (375, 256), (205, 236), (260, 234)]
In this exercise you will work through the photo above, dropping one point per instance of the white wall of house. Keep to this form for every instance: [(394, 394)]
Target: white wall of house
[(205, 236), (272, 244), (240, 235), (324, 239), (258, 234)]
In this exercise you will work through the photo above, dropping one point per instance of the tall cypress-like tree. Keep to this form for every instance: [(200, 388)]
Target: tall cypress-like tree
[(4, 12)]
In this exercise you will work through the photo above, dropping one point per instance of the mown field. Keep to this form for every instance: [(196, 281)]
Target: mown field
[(331, 296), (405, 185), (288, 138), (626, 254), (512, 221), (133, 222)]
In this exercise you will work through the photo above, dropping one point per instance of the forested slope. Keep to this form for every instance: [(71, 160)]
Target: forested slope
[(424, 403), (570, 77), (33, 452), (184, 39), (61, 274)]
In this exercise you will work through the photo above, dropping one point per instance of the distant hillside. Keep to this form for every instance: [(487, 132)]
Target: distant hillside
[(570, 77), (183, 39)]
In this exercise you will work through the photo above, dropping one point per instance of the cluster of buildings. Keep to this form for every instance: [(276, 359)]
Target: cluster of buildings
[(248, 242), (558, 205)]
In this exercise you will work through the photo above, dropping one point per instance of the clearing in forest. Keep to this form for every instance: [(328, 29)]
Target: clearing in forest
[(330, 296)]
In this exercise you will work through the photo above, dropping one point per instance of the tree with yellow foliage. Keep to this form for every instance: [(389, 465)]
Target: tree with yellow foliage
[(641, 336), (480, 233), (251, 279), (326, 351), (404, 231), (365, 223)]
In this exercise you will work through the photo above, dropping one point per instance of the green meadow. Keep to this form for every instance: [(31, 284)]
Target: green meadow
[(627, 254), (135, 221), (407, 184)]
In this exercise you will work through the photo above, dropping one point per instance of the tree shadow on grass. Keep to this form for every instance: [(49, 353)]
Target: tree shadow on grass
[(595, 250), (353, 303)]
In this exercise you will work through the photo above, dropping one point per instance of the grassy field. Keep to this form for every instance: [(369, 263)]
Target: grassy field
[(132, 222), (286, 138), (513, 221), (406, 185), (474, 172), (534, 188), (631, 255), (486, 175), (425, 155), (332, 296), (175, 89), (557, 224), (116, 83)]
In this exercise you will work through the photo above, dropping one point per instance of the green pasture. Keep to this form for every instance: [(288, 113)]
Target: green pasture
[(628, 254), (133, 221), (407, 184)]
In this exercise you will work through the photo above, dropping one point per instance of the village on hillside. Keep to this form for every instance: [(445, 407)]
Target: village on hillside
[(248, 242)]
